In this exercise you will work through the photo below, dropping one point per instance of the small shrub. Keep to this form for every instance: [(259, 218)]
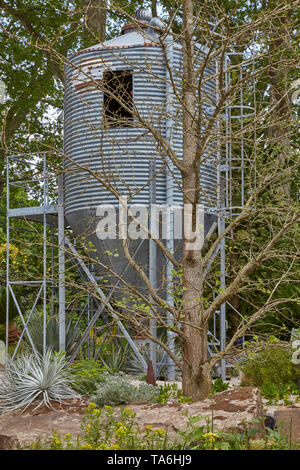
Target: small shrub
[(269, 366), (87, 374), (102, 430), (219, 386), (114, 357), (118, 389), (171, 391), (36, 330)]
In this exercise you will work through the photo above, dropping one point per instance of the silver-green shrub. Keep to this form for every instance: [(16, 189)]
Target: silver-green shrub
[(118, 389)]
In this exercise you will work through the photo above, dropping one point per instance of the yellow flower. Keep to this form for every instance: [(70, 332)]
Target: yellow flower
[(149, 427), (210, 436), (92, 406), (86, 447), (113, 447), (120, 432), (128, 410), (102, 447)]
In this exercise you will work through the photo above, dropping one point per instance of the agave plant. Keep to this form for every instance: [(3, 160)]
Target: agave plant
[(36, 330), (31, 378), (115, 358)]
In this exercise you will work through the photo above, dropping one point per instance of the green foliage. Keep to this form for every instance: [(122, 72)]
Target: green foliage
[(13, 312), (275, 392), (118, 389), (219, 386), (272, 365), (2, 332), (30, 379), (196, 437), (171, 391), (87, 374)]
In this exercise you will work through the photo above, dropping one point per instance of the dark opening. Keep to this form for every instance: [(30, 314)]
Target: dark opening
[(118, 98)]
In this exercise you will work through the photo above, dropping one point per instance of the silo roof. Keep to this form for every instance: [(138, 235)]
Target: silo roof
[(130, 39)]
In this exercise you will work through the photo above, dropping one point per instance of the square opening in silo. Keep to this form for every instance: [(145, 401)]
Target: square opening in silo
[(118, 98)]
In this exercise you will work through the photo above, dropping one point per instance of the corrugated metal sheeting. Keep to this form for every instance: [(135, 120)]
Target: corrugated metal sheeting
[(121, 155)]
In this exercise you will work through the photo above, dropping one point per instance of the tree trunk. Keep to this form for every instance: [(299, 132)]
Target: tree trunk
[(96, 17), (154, 8), (196, 378)]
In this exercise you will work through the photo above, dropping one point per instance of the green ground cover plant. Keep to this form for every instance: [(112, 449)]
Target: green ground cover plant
[(274, 393), (270, 368)]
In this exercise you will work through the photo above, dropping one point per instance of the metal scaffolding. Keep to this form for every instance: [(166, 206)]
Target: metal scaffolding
[(49, 212)]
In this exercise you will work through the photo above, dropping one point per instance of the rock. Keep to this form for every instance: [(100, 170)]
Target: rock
[(231, 410), (19, 428), (9, 443), (287, 421)]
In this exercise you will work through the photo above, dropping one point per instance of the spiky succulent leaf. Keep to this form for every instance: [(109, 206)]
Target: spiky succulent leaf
[(29, 378)]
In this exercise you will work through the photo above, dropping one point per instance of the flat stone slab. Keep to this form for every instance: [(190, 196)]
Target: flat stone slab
[(233, 409), (287, 420), (20, 428)]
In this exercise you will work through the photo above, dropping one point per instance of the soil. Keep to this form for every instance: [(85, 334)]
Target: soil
[(69, 406)]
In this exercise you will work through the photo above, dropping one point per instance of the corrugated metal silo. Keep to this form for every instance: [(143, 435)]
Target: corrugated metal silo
[(122, 154)]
